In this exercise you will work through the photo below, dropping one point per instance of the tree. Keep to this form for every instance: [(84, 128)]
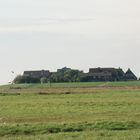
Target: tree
[(25, 79), (67, 75)]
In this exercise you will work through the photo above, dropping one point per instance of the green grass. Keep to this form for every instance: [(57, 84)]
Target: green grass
[(88, 111), (87, 135), (70, 85), (67, 88)]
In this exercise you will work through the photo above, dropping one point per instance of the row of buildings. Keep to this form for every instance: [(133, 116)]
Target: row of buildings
[(94, 74)]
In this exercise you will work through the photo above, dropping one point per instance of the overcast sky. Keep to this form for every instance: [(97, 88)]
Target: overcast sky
[(50, 34)]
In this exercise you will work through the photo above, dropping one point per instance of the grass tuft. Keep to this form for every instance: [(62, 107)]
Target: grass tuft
[(79, 127)]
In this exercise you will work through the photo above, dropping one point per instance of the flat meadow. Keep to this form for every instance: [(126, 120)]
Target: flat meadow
[(67, 111)]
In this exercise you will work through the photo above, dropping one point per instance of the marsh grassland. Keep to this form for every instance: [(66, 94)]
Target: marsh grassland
[(79, 111)]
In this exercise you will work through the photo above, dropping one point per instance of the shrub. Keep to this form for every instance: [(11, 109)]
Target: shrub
[(25, 79)]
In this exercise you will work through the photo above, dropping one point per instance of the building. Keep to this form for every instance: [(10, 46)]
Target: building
[(94, 74), (130, 76), (64, 69), (105, 74), (37, 74), (110, 74)]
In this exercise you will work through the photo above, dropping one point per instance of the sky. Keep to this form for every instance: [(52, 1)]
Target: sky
[(81, 34)]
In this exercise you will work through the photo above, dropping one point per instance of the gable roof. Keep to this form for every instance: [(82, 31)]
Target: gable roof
[(130, 75), (39, 73), (105, 70)]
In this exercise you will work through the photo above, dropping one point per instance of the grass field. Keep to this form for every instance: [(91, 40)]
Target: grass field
[(79, 111)]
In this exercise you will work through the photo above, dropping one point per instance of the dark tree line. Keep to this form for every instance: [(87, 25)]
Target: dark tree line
[(25, 79), (60, 76)]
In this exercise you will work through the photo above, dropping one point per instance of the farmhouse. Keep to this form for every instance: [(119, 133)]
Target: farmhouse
[(105, 74), (110, 74), (37, 74), (64, 69)]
